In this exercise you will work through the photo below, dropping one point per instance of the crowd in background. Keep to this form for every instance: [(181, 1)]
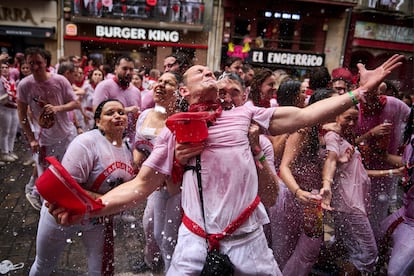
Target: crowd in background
[(362, 146)]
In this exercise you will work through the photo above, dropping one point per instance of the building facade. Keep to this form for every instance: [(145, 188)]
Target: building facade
[(28, 23), (290, 35), (147, 30), (379, 29)]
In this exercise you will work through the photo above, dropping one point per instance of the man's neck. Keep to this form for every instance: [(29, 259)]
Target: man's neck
[(41, 76)]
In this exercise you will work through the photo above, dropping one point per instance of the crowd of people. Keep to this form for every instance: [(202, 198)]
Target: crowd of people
[(278, 145)]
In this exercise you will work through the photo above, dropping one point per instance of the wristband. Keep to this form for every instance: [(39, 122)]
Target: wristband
[(259, 155), (262, 159), (352, 96), (390, 173)]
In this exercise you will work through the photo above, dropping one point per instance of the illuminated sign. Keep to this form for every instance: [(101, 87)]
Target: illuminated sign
[(137, 33), (71, 30), (286, 58)]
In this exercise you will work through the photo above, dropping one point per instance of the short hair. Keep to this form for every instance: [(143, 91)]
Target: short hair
[(65, 67), (125, 57), (39, 51)]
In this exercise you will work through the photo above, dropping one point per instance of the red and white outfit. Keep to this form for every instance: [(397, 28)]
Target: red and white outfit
[(351, 202), (396, 112), (97, 166), (162, 214), (230, 184), (400, 227), (56, 91), (9, 120)]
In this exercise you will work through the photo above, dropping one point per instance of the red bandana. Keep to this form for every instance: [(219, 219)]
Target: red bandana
[(214, 108)]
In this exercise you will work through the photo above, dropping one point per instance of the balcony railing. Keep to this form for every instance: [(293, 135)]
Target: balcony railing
[(175, 11)]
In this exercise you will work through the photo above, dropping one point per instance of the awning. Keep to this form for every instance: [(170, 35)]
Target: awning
[(27, 31)]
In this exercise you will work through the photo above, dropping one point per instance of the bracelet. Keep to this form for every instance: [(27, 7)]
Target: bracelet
[(352, 96), (296, 191), (390, 173)]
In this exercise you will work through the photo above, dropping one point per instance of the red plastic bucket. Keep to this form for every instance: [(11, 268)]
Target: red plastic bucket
[(189, 127), (57, 186)]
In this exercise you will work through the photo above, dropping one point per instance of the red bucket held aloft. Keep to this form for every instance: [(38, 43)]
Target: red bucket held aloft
[(57, 186), (189, 127)]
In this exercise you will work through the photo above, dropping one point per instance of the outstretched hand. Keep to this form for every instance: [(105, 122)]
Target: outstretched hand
[(62, 215), (370, 79)]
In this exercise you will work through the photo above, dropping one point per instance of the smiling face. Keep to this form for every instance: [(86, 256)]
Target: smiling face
[(347, 121), (112, 120), (267, 89), (200, 85), (165, 90)]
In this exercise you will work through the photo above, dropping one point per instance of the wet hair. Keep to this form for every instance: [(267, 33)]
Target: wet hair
[(258, 79), (318, 94), (287, 92), (39, 51)]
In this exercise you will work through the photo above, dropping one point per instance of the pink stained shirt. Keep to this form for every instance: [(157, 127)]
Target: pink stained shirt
[(351, 186), (56, 91), (229, 176), (109, 89), (396, 112)]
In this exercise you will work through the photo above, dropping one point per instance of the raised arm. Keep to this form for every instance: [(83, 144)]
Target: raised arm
[(289, 119)]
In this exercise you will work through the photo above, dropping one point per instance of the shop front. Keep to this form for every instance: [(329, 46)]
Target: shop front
[(290, 35), (25, 24), (148, 31), (148, 46)]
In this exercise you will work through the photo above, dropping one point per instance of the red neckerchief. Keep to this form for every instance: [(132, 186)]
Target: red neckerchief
[(374, 109), (214, 108), (124, 86), (264, 103)]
